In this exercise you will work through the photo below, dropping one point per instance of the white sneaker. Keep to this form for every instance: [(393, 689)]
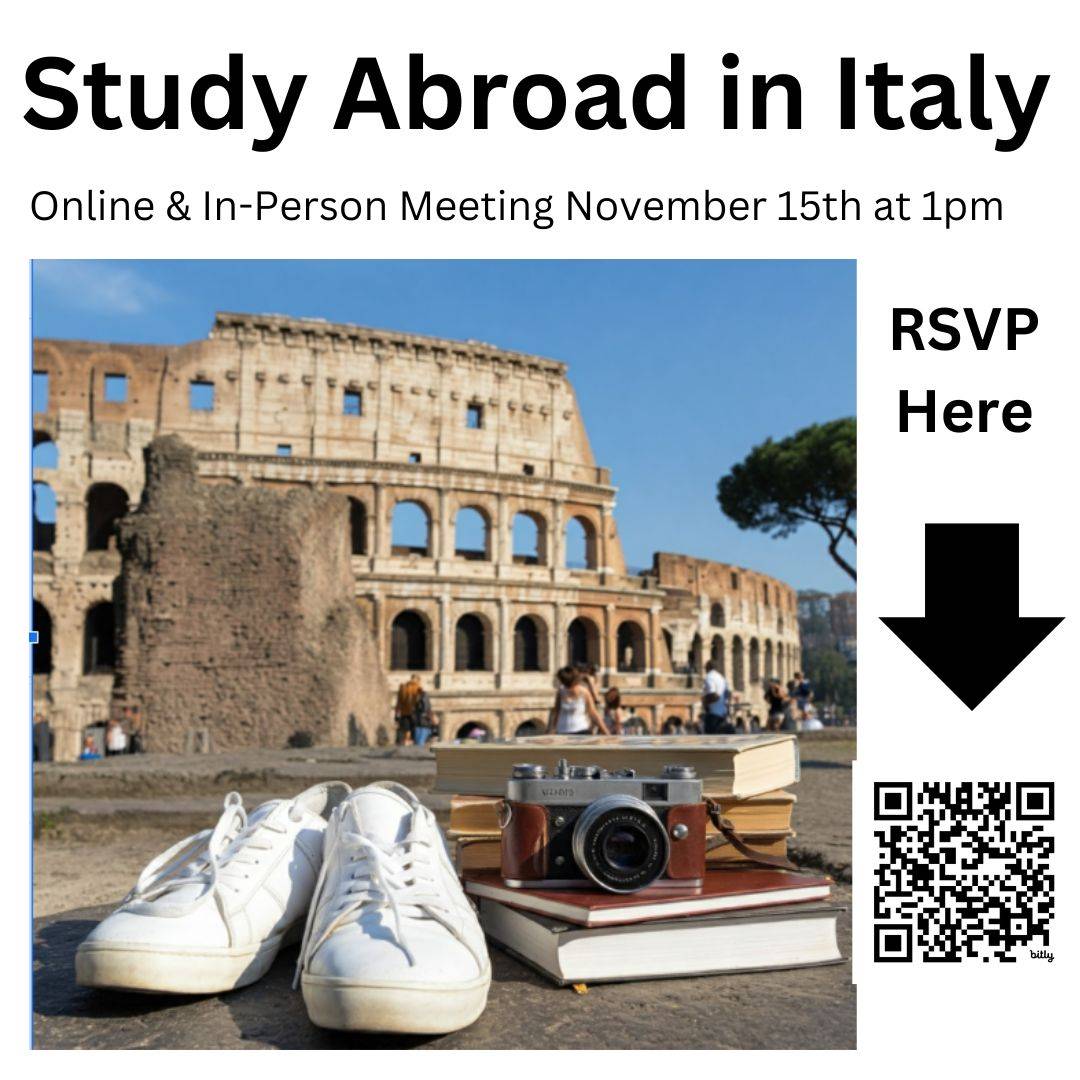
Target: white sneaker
[(211, 913), (392, 944)]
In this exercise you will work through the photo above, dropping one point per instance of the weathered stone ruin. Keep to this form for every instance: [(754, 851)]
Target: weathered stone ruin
[(237, 621)]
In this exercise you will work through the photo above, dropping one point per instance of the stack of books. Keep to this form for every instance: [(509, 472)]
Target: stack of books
[(746, 916)]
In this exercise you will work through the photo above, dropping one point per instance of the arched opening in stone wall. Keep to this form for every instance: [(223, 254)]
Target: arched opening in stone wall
[(755, 661), (582, 642), (630, 646), (716, 653), (634, 725), (738, 665), (44, 454), (44, 512), (770, 669), (105, 505), (528, 539), (529, 637), (409, 647), (43, 650), (471, 644), (99, 639), (410, 529), (580, 544), (693, 657), (673, 725), (471, 534), (717, 616), (529, 727), (357, 527), (473, 729)]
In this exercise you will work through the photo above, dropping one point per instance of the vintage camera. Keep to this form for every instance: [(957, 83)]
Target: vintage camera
[(583, 826)]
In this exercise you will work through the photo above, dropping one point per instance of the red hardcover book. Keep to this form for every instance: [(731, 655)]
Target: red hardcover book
[(725, 889)]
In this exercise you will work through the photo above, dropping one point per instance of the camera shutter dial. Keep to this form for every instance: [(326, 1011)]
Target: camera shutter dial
[(680, 772), (528, 772)]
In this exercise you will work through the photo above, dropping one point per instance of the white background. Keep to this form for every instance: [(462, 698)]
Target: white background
[(965, 1016)]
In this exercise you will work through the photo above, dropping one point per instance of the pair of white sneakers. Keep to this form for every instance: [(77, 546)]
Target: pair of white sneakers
[(390, 942)]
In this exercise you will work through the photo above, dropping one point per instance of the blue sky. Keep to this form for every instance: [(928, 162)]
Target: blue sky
[(679, 367)]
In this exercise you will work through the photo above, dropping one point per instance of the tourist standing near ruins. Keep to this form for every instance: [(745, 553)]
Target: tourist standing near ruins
[(116, 739), (574, 711), (135, 729), (804, 694), (714, 698), (42, 738), (588, 673), (423, 722), (613, 711), (777, 702), (408, 698)]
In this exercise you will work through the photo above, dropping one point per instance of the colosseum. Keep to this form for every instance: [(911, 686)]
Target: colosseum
[(481, 532)]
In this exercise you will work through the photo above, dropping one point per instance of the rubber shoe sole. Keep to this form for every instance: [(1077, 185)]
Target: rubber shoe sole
[(151, 969), (394, 1008)]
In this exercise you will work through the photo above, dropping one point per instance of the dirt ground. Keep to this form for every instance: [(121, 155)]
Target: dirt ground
[(97, 826)]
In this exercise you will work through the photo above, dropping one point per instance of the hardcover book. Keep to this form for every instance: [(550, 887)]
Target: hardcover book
[(725, 889), (790, 936), (733, 765)]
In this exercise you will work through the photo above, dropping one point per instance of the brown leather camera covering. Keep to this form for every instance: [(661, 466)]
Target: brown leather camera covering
[(687, 855), (524, 843)]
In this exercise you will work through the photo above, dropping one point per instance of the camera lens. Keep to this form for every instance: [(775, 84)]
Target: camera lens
[(620, 843), (626, 848)]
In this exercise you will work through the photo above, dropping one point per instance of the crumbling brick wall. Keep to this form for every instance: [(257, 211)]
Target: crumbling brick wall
[(237, 622)]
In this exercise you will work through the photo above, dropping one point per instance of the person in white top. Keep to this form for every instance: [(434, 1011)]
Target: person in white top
[(115, 737), (574, 711), (714, 698)]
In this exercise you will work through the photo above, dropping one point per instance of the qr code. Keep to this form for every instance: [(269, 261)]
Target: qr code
[(963, 871)]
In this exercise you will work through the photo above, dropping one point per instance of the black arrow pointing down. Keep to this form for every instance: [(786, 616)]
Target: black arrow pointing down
[(972, 579)]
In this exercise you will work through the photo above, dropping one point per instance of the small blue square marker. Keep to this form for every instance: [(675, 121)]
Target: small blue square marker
[(33, 637)]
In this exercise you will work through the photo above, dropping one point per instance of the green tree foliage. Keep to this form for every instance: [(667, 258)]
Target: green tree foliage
[(832, 676), (807, 477)]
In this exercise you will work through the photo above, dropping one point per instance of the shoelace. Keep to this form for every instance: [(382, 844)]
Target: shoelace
[(212, 858), (395, 876)]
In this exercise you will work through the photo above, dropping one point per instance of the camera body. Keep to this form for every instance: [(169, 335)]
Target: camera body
[(583, 827)]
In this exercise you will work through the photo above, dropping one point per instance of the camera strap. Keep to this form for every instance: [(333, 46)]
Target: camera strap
[(725, 828)]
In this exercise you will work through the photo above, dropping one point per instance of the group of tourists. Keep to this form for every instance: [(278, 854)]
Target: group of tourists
[(413, 719), (582, 708), (788, 706), (123, 735)]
